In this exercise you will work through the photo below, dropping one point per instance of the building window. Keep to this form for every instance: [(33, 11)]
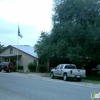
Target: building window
[(11, 50)]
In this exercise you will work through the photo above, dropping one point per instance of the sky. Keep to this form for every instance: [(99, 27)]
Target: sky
[(33, 17)]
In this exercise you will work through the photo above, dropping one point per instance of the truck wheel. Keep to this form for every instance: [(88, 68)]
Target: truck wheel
[(65, 78), (52, 75), (79, 79)]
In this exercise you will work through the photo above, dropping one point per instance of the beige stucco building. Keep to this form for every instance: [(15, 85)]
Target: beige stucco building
[(21, 55)]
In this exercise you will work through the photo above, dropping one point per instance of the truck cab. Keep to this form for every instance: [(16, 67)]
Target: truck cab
[(67, 71)]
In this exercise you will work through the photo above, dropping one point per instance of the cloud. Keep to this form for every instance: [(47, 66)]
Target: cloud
[(9, 33), (29, 12), (6, 27), (33, 16)]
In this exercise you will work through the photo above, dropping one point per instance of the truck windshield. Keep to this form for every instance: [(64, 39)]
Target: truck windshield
[(70, 67)]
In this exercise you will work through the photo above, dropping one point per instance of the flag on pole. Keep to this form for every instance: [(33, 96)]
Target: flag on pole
[(19, 34)]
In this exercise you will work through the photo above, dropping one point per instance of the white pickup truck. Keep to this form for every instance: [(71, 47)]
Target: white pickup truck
[(67, 71)]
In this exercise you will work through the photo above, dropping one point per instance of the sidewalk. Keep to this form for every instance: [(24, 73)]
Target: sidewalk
[(39, 74)]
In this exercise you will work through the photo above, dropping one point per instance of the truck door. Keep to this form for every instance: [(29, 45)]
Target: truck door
[(61, 70), (56, 72)]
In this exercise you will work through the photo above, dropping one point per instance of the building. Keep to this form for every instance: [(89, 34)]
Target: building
[(18, 54)]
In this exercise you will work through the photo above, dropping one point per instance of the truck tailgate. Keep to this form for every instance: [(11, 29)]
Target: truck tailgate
[(78, 72)]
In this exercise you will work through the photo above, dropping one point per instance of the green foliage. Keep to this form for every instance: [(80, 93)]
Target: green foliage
[(32, 67), (43, 45), (1, 46), (20, 67), (42, 68), (75, 33)]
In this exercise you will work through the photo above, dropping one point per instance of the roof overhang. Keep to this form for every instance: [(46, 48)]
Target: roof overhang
[(10, 55)]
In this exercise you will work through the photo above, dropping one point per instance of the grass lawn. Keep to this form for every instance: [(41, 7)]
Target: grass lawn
[(92, 79)]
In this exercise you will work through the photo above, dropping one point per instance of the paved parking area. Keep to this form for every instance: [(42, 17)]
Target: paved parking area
[(29, 74)]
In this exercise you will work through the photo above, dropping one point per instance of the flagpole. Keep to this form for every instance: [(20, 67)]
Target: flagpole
[(18, 34), (17, 46)]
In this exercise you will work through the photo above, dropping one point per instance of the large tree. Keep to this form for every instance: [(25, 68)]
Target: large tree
[(1, 47), (79, 22), (75, 33)]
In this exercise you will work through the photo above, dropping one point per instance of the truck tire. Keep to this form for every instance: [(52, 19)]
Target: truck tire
[(65, 78), (52, 75), (78, 79)]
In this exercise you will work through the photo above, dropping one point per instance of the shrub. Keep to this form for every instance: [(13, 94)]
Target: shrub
[(32, 67), (20, 67), (42, 68)]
